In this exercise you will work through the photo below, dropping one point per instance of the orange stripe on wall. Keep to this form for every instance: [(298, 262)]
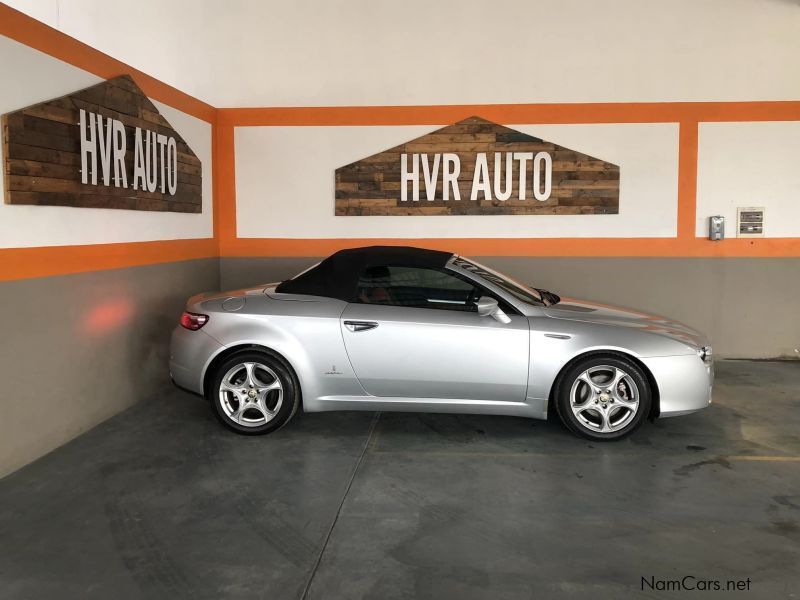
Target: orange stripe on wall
[(37, 35), (584, 247), (225, 172), (687, 179), (631, 112), (216, 183), (29, 263)]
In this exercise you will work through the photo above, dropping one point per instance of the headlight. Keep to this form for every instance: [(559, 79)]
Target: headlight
[(705, 354)]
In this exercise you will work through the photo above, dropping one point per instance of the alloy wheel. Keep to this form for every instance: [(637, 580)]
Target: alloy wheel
[(604, 399), (250, 394)]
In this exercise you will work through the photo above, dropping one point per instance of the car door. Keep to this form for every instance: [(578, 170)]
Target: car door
[(415, 333)]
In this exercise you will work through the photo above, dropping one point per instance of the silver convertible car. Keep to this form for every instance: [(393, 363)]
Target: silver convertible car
[(407, 329)]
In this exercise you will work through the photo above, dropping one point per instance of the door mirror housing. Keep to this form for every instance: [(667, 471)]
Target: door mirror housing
[(488, 307)]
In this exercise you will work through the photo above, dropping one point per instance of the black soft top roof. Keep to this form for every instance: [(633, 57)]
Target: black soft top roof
[(337, 276)]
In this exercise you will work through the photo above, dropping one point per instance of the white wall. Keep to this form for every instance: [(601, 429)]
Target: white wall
[(750, 164), (285, 184), (32, 77), (362, 52), (355, 52)]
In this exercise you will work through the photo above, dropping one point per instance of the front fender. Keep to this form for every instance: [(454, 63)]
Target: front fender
[(555, 342)]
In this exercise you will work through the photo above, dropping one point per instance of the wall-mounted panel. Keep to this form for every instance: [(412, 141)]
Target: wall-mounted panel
[(476, 167), (105, 146)]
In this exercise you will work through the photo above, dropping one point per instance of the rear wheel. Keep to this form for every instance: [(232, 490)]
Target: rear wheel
[(253, 393), (603, 398)]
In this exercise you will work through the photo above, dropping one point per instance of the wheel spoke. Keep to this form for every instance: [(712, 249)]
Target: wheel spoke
[(275, 385), (625, 402), (605, 422), (588, 405), (226, 386), (237, 415), (251, 377), (262, 405), (584, 377), (616, 377), (619, 412)]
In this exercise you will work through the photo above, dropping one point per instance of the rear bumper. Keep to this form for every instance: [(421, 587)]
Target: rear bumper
[(189, 353), (684, 383)]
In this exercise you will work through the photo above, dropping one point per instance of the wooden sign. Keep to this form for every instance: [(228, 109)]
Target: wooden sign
[(103, 147), (476, 167)]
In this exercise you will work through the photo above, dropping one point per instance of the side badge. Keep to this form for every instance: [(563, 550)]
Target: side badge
[(333, 371)]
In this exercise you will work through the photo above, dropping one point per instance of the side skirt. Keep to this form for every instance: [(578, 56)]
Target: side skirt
[(534, 408)]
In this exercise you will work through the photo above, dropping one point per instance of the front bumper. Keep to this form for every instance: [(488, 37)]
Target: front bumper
[(189, 354), (684, 383)]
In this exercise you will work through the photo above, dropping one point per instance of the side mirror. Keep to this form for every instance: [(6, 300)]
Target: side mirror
[(488, 307)]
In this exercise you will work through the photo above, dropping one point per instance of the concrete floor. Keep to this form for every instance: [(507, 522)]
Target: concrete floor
[(162, 502)]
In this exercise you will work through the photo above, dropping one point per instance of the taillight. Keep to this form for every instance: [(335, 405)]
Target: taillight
[(193, 321)]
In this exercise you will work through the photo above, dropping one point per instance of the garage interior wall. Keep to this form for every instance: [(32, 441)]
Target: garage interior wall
[(88, 297), (676, 172), (692, 100), (702, 119)]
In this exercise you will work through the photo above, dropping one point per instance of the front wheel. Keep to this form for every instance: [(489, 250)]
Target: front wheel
[(253, 393), (603, 398)]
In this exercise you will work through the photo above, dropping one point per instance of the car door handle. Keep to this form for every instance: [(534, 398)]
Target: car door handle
[(360, 325)]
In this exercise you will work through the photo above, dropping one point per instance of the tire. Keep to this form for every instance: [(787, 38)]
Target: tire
[(591, 405), (253, 393)]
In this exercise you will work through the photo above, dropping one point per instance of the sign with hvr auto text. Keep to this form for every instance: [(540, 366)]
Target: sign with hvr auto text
[(476, 167), (103, 147)]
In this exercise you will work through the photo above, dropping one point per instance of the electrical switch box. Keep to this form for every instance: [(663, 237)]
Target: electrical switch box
[(716, 228), (750, 222)]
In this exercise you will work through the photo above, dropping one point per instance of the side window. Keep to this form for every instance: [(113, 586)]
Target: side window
[(416, 287)]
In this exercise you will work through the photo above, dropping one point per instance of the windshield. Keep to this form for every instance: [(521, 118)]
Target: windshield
[(519, 290)]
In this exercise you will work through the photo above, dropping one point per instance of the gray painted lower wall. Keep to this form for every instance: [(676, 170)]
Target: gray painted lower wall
[(749, 306), (77, 349)]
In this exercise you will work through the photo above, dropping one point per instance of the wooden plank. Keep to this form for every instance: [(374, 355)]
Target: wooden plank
[(51, 112), (42, 140), (31, 168), (188, 178), (434, 147), (121, 101), (587, 201), (41, 149), (4, 134), (49, 184), (584, 184), (446, 138), (190, 169), (25, 152)]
